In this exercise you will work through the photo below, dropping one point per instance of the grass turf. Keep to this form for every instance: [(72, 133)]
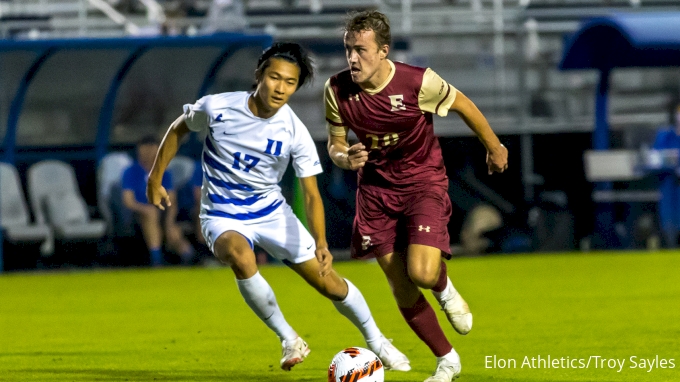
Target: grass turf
[(179, 324)]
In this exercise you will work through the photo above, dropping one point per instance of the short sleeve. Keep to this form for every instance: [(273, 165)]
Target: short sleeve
[(436, 95), (305, 157), (128, 181), (333, 121), (196, 115)]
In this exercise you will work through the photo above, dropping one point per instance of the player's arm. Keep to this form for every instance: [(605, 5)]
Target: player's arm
[(155, 192), (345, 156), (317, 222), (496, 153), (342, 154)]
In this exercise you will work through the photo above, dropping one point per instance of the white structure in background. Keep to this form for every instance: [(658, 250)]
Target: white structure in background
[(225, 15)]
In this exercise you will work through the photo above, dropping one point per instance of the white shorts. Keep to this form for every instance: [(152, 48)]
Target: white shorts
[(280, 233)]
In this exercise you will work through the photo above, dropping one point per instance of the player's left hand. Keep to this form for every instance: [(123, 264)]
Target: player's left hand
[(497, 159), (325, 259), (158, 195)]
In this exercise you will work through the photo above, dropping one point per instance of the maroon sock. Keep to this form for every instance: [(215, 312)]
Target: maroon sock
[(442, 281), (423, 321)]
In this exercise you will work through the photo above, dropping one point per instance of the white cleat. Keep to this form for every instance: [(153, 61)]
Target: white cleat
[(390, 356), (456, 309), (294, 352), (448, 368)]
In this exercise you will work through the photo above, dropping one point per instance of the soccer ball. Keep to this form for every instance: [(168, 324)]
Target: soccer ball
[(356, 365)]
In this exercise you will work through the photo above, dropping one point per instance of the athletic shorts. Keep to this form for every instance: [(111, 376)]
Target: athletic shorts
[(280, 233), (386, 223)]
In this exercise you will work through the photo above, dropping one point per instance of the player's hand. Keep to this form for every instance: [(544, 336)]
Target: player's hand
[(357, 156), (497, 159), (158, 196), (325, 259)]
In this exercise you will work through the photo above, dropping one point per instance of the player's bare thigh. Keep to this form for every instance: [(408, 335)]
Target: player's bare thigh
[(331, 286), (233, 248)]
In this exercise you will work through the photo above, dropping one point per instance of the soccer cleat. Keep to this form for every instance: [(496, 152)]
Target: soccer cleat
[(294, 352), (448, 368), (456, 309), (390, 356)]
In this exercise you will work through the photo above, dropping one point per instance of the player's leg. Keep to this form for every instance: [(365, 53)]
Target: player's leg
[(233, 248), (349, 301), (427, 216), (285, 238), (149, 220), (428, 271), (420, 316)]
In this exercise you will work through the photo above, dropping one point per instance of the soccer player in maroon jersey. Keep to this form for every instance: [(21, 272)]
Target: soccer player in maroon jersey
[(402, 202)]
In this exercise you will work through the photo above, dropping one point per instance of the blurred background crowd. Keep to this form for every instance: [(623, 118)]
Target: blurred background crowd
[(593, 150)]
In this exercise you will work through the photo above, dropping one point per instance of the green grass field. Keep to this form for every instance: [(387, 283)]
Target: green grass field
[(179, 324)]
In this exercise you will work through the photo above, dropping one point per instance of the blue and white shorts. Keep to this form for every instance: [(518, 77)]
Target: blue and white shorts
[(280, 233)]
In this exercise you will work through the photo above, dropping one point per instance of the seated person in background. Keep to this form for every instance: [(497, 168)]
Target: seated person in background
[(148, 216), (668, 137)]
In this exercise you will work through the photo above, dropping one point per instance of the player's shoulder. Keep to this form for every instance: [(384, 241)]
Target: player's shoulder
[(290, 119), (342, 84), (408, 69), (224, 99)]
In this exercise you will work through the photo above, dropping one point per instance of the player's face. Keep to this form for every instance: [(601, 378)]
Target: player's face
[(364, 56), (277, 83)]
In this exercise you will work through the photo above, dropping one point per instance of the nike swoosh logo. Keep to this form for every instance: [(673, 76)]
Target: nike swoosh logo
[(310, 246)]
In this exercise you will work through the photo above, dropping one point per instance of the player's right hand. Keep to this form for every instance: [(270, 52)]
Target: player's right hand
[(357, 156), (157, 195)]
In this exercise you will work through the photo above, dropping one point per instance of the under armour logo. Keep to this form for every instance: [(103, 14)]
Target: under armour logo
[(426, 229), (219, 118), (365, 242), (354, 97)]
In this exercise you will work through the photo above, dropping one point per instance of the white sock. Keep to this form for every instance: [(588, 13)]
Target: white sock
[(452, 356), (260, 298), (447, 291), (354, 307)]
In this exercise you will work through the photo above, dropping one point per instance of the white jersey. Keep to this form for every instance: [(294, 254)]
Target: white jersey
[(245, 156)]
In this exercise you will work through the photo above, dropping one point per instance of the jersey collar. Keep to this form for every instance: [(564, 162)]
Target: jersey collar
[(385, 83)]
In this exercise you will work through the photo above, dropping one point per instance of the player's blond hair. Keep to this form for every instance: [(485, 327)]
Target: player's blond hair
[(371, 20)]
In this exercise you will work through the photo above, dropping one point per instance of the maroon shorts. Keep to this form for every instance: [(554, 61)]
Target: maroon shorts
[(385, 223)]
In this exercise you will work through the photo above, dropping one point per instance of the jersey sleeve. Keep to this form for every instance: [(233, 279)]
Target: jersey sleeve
[(305, 157), (436, 95), (334, 123), (196, 115)]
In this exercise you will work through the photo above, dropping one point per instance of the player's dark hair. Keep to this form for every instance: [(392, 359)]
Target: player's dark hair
[(291, 52), (370, 20), (149, 139)]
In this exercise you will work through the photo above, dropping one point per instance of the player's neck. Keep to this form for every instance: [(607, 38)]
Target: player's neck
[(379, 78), (259, 108)]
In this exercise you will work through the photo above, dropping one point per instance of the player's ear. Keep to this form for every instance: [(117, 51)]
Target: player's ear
[(384, 51)]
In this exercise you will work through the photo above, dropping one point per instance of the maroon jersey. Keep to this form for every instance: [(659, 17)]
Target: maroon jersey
[(395, 124)]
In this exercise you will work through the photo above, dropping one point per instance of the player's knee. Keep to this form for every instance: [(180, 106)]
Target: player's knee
[(230, 251), (423, 277), (330, 287)]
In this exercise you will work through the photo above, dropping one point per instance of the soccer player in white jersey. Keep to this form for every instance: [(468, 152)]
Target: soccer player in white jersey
[(251, 138)]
